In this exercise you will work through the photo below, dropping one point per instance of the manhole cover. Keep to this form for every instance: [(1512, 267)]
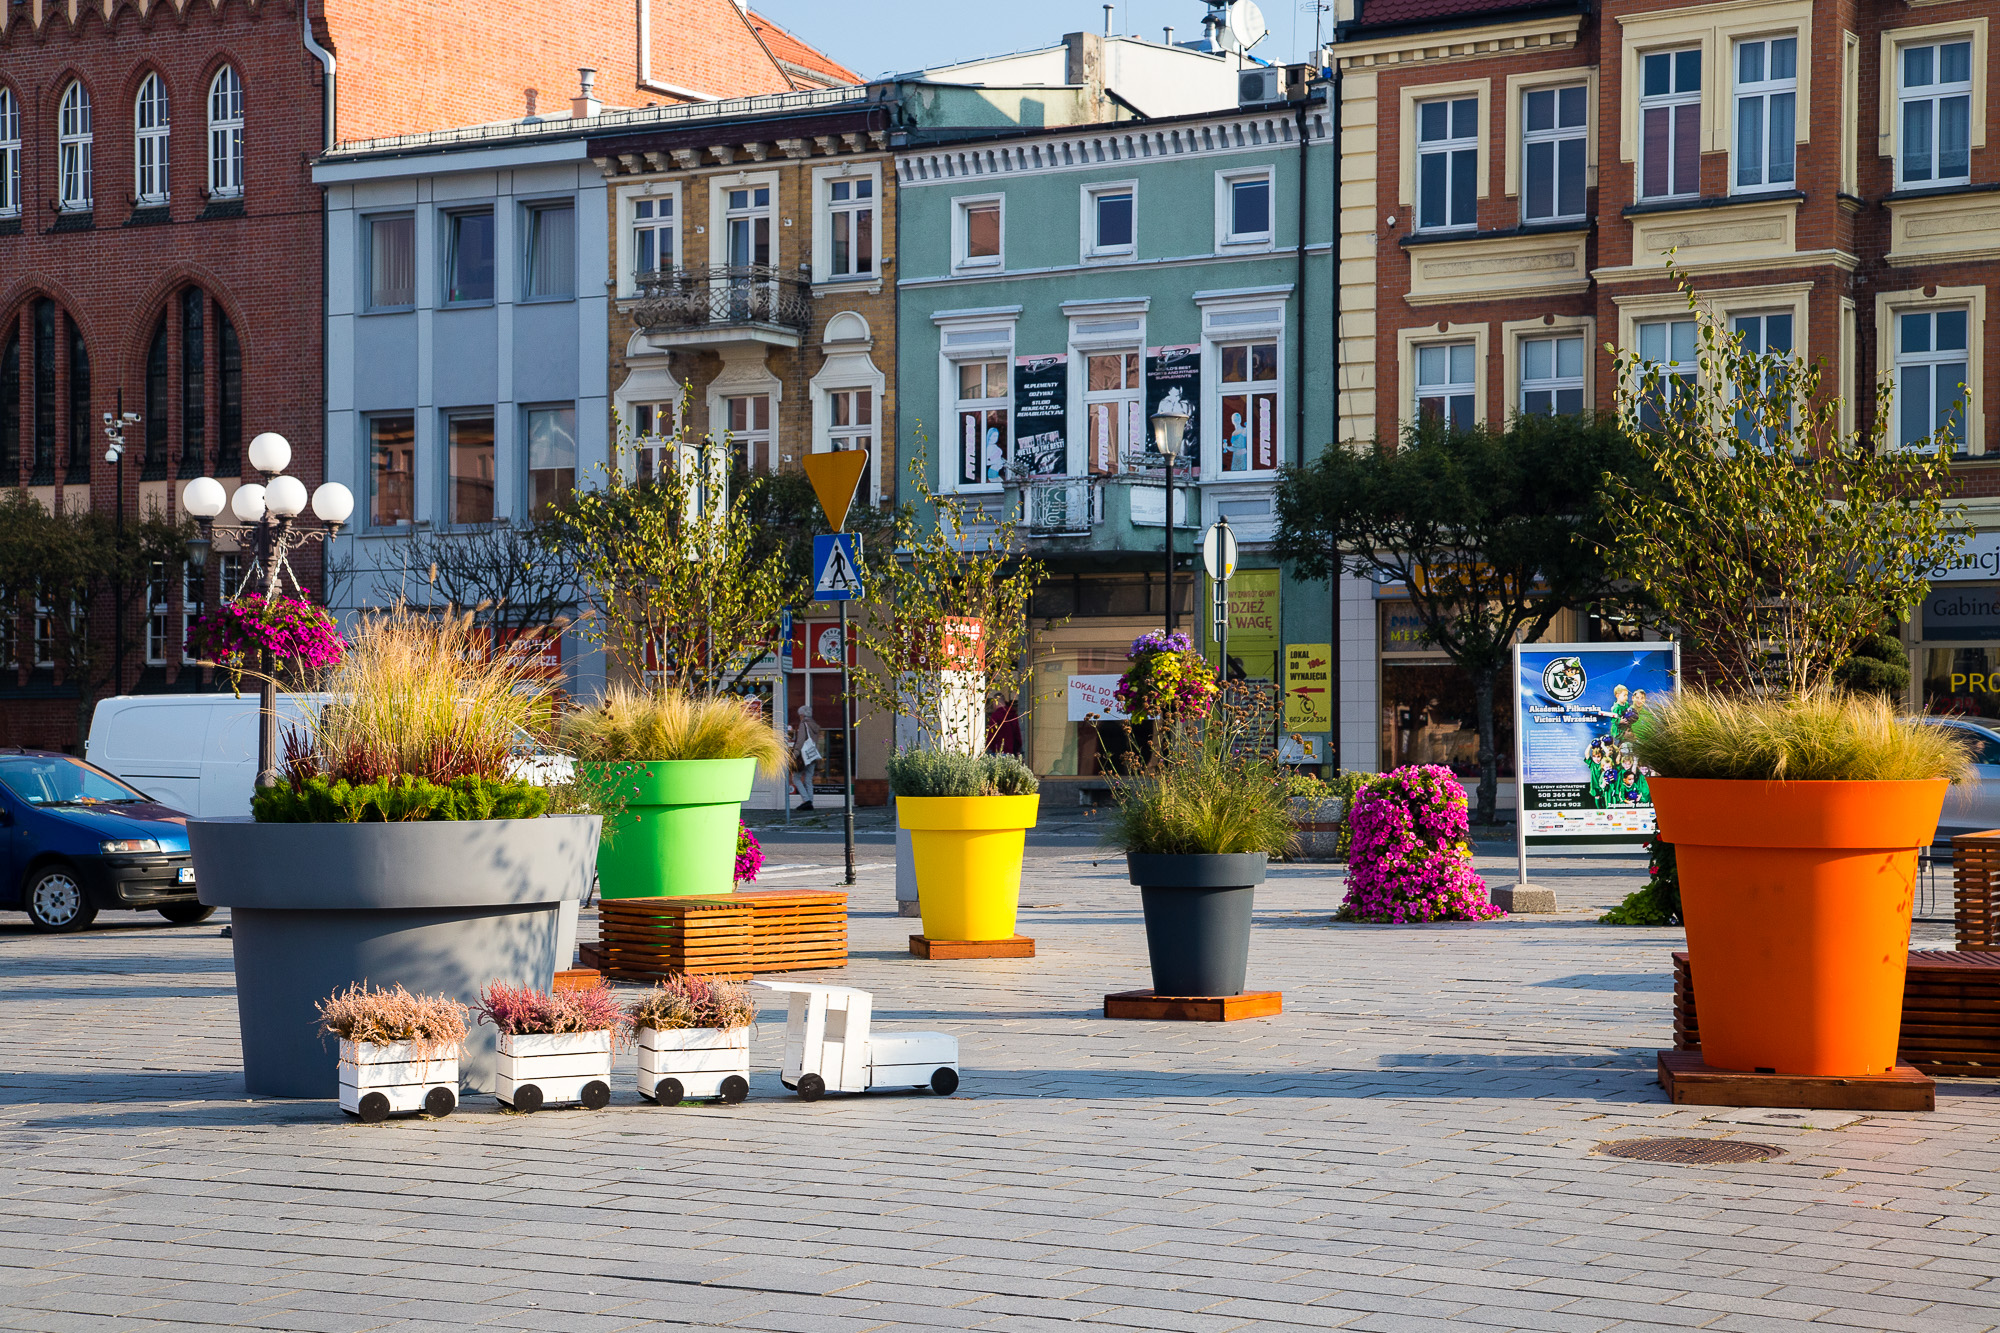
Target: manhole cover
[(1690, 1152)]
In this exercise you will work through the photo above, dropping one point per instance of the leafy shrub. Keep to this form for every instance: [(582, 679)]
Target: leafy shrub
[(522, 1011), (686, 1001), (395, 800), (1204, 793), (1409, 859), (749, 854), (1659, 902), (433, 1024), (1817, 737), (629, 725), (953, 773)]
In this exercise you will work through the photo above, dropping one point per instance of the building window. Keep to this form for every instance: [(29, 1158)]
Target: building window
[(225, 134), (1668, 344), (1767, 82), (1445, 384), (1113, 409), (1762, 335), (1110, 222), (469, 455), (155, 458), (851, 425), (981, 408), (747, 224), (1670, 125), (747, 418), (1447, 163), (551, 458), (229, 398), (468, 257), (653, 429), (1551, 375), (652, 235), (194, 383), (10, 154), (1931, 379), (1249, 406), (1936, 111), (194, 596), (979, 234), (850, 220), (392, 263), (1555, 122), (149, 133), (551, 252), (78, 469), (1249, 210), (392, 474), (44, 316), (73, 146), (45, 634), (158, 609), (10, 411)]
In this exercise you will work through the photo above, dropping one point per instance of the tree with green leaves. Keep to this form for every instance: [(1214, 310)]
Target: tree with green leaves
[(1756, 524), (1478, 526)]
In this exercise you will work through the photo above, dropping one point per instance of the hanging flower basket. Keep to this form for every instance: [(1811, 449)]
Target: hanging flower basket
[(1167, 675), (295, 632)]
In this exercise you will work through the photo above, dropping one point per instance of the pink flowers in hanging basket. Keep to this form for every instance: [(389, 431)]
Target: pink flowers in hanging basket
[(749, 854), (1409, 860), (295, 632)]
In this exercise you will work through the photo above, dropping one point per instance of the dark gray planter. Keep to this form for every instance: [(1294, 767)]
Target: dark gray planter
[(1198, 918), (437, 907)]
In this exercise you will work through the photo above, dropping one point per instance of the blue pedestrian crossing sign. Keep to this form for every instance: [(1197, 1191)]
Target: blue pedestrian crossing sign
[(836, 567)]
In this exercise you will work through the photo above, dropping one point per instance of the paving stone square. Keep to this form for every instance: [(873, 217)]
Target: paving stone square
[(1410, 1145)]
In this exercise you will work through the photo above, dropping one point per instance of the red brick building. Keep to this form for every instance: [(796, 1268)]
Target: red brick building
[(161, 238), (1513, 176)]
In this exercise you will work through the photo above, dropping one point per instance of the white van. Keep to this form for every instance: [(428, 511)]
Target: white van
[(194, 752)]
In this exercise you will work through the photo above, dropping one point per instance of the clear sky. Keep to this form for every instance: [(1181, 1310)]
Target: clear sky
[(890, 36)]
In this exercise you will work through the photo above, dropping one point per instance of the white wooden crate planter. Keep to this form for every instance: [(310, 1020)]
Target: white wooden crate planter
[(830, 1047), (560, 1069), (678, 1063), (378, 1081)]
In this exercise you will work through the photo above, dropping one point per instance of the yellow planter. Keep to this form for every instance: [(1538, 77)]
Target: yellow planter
[(968, 854)]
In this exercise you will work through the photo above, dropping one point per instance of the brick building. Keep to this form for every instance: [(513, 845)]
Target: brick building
[(161, 238), (1513, 176)]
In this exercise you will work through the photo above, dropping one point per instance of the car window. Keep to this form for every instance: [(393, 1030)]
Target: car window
[(57, 780), (1986, 749)]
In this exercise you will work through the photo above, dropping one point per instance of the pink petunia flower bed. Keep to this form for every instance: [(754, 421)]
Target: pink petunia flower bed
[(1409, 860)]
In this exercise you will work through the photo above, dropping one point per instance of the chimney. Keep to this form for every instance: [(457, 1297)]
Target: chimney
[(585, 103), (1170, 34), (1107, 19), (1083, 63)]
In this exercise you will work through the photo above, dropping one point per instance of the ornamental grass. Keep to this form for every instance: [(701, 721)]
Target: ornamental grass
[(687, 1001), (433, 1024), (629, 725), (1817, 737), (1206, 791)]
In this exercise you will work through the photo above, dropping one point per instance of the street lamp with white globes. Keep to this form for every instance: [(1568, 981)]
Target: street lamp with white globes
[(272, 512)]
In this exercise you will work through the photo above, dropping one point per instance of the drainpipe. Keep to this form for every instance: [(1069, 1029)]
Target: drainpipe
[(1299, 286), (326, 64)]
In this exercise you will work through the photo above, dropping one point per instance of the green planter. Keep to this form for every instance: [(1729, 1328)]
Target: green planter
[(677, 833)]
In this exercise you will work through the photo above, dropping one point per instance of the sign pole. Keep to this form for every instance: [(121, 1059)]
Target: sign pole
[(837, 578), (785, 719), (1520, 782), (847, 748)]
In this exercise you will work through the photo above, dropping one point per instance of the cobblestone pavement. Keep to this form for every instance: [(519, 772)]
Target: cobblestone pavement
[(1410, 1146)]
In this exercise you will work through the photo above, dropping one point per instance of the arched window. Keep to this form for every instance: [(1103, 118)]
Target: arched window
[(78, 469), (155, 460), (149, 128), (225, 134), (10, 408), (10, 155), (73, 144)]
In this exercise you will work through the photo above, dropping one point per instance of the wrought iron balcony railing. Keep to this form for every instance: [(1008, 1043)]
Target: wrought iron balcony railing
[(720, 296), (1068, 505)]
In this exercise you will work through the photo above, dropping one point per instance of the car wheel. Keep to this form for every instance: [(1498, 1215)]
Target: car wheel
[(187, 914), (56, 901)]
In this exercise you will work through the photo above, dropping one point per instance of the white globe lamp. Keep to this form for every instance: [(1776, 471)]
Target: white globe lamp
[(270, 452), (285, 497), (248, 502), (333, 503), (204, 497)]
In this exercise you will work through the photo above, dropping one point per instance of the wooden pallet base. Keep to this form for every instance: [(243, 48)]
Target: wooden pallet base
[(1014, 946), (1689, 1082), (1194, 1008)]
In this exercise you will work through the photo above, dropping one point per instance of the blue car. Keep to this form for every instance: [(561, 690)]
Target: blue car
[(74, 841)]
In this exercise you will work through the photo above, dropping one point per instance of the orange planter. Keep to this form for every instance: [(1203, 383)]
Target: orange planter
[(1797, 901)]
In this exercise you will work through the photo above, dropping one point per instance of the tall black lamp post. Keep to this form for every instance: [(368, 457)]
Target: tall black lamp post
[(114, 431), (1169, 438)]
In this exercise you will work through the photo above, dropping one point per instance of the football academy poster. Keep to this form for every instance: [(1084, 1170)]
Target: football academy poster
[(1579, 787)]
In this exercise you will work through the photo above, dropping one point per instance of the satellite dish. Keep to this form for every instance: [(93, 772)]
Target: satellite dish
[(1244, 27)]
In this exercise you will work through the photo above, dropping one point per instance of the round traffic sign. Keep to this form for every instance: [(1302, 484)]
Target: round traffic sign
[(1218, 550)]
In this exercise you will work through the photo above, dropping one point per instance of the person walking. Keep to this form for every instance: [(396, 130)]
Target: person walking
[(808, 753)]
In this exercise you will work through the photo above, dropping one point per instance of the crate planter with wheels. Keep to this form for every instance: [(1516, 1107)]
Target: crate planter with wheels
[(681, 1064), (378, 1081), (551, 1069)]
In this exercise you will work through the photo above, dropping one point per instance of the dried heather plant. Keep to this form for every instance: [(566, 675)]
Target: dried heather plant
[(693, 1002), (433, 1024), (522, 1011)]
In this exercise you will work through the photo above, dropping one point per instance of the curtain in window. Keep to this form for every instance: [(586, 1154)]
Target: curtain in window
[(392, 265), (552, 252)]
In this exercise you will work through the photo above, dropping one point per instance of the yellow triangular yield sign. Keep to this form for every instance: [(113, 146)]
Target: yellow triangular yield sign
[(833, 477)]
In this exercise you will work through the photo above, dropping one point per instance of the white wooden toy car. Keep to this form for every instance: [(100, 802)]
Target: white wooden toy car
[(378, 1081), (829, 1047), (678, 1063), (562, 1069)]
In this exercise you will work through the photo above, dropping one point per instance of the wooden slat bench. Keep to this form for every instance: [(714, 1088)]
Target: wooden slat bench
[(727, 935), (1975, 882), (1951, 1013)]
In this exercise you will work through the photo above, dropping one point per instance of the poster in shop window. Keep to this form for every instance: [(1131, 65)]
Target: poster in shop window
[(1041, 415), (1173, 376), (1579, 787)]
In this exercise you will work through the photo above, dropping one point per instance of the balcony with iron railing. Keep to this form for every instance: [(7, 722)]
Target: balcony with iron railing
[(723, 302)]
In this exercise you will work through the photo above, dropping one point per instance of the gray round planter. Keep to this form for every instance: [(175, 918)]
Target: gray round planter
[(437, 907), (1198, 919)]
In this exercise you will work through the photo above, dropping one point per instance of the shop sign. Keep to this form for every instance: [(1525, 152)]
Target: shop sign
[(1403, 629), (1095, 699), (1979, 558), (1308, 687), (824, 638), (535, 650), (1041, 415), (1574, 707), (1253, 621), (1965, 613)]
